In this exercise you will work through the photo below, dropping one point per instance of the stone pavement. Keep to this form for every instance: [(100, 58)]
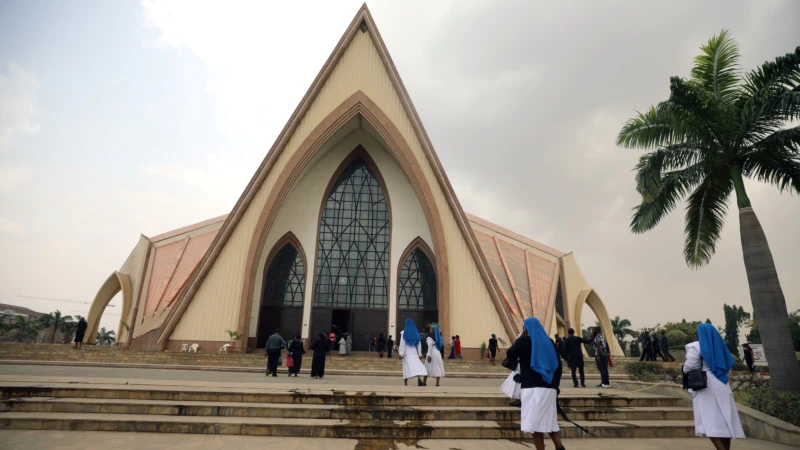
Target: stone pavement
[(88, 440)]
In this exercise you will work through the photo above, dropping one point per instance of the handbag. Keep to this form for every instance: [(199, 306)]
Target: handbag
[(290, 361), (280, 361), (510, 364), (697, 379)]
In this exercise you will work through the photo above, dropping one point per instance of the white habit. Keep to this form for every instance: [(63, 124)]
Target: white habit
[(342, 346), (435, 366), (715, 412), (538, 413), (510, 387), (412, 366)]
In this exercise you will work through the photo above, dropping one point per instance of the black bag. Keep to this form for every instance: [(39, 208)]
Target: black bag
[(510, 364), (697, 380)]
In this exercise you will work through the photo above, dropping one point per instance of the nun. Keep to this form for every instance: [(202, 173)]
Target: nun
[(540, 374), (410, 352), (715, 414), (320, 349), (434, 363), (511, 387)]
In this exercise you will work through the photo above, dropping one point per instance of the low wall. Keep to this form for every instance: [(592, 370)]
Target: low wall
[(756, 424)]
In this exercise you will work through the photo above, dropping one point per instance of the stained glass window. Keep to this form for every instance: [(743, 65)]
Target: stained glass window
[(417, 284), (352, 259), (559, 300), (283, 285)]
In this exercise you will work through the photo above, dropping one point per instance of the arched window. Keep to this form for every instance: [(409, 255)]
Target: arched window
[(352, 260), (417, 283), (283, 284)]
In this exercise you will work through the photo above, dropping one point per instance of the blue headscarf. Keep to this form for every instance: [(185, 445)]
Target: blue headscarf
[(543, 354), (714, 351), (411, 333), (438, 338)]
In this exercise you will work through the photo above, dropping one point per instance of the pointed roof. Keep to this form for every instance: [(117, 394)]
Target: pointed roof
[(361, 23)]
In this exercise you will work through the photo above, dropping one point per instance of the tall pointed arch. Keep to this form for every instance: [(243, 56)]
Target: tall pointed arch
[(282, 292), (417, 294), (351, 275)]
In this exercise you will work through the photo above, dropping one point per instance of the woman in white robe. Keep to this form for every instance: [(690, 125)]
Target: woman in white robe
[(434, 363), (715, 414), (511, 388), (410, 352), (342, 347)]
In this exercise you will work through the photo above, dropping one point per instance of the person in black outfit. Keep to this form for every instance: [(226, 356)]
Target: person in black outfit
[(296, 351), (493, 349), (320, 348), (573, 354), (657, 350), (381, 345), (647, 347), (80, 332), (560, 347), (389, 346), (529, 379), (665, 347), (748, 358)]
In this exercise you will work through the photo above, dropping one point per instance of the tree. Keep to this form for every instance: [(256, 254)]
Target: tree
[(734, 318), (105, 337), (25, 329), (715, 129), (754, 336), (55, 321), (621, 328)]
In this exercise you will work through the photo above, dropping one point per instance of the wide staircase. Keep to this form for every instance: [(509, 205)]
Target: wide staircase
[(388, 413), (361, 363)]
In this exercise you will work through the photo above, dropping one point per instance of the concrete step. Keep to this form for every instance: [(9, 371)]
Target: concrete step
[(333, 428), (323, 411)]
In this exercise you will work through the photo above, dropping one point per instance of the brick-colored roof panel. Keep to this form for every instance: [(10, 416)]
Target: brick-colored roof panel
[(192, 255), (496, 265), (165, 261), (515, 259), (541, 272), (188, 228), (515, 236)]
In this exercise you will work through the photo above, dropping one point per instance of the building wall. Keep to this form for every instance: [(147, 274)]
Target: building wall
[(300, 215), (215, 306)]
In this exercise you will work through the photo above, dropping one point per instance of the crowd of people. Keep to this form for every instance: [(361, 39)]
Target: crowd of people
[(654, 347)]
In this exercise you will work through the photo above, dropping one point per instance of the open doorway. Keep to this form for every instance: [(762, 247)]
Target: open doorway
[(340, 321)]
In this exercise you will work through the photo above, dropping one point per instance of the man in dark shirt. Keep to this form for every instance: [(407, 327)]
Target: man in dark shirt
[(275, 344), (665, 346), (493, 348), (574, 355), (381, 345), (389, 346), (647, 347), (601, 357)]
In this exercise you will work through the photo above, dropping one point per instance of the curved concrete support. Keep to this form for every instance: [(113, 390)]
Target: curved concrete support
[(115, 283), (590, 298)]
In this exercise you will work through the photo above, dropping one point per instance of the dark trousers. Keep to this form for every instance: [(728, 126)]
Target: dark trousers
[(389, 351), (575, 379), (602, 366), (667, 355), (272, 361)]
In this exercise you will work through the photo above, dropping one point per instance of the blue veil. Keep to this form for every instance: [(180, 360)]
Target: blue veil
[(437, 336), (714, 351), (411, 333), (543, 354)]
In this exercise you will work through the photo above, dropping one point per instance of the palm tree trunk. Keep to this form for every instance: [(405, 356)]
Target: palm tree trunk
[(769, 305)]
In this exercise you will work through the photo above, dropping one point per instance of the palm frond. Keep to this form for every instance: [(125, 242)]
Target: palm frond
[(717, 68), (776, 160), (705, 217), (650, 129), (702, 114), (673, 186)]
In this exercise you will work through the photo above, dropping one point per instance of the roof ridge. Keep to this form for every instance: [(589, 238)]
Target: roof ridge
[(514, 235), (187, 228)]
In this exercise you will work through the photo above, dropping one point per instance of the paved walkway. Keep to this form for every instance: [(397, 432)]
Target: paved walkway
[(93, 440)]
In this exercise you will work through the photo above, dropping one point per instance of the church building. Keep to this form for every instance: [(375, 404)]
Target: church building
[(349, 224)]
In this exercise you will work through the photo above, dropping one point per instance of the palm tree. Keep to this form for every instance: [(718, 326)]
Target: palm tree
[(106, 337), (716, 128), (55, 321), (25, 328), (621, 328)]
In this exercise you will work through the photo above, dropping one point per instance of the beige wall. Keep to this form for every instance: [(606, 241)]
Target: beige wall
[(300, 215), (215, 306), (135, 268)]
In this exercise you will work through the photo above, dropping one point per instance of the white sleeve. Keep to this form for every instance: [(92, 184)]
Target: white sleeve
[(401, 350), (693, 361)]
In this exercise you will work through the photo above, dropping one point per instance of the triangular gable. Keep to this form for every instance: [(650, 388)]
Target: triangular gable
[(299, 126)]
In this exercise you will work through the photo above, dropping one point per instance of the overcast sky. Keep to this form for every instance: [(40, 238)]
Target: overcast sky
[(125, 118)]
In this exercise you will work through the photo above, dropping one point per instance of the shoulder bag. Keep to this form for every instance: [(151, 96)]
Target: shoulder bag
[(697, 379), (510, 364)]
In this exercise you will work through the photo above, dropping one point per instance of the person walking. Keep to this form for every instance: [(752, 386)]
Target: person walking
[(275, 344), (320, 348), (665, 347), (512, 387), (601, 357), (80, 332), (434, 363), (657, 350), (410, 352), (540, 376), (715, 414), (647, 347), (349, 343), (389, 347), (458, 347), (748, 358), (381, 345), (560, 347), (332, 337), (296, 351), (452, 348), (492, 349), (342, 346), (573, 351)]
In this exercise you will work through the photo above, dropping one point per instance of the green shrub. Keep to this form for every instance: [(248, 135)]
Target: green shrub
[(784, 406), (677, 338), (739, 367), (653, 372), (635, 350)]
